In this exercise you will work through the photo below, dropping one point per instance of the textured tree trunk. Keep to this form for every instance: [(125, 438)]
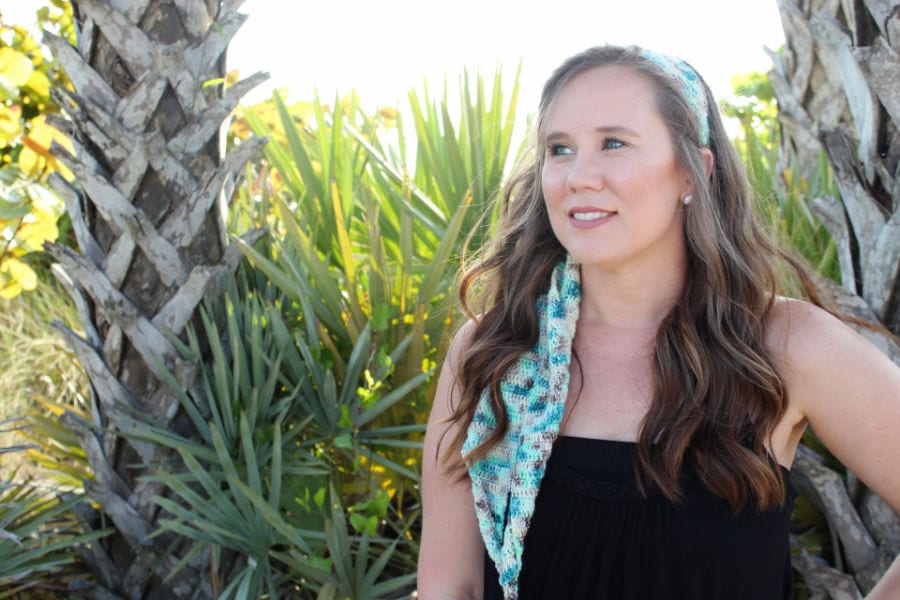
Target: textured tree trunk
[(837, 83), (147, 209)]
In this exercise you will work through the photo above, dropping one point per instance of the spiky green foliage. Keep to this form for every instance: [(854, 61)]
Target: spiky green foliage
[(368, 248), (39, 539), (781, 189), (302, 478)]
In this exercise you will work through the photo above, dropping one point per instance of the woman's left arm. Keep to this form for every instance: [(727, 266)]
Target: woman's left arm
[(849, 393), (889, 585)]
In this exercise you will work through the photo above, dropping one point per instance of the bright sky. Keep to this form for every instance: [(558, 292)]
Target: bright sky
[(384, 48)]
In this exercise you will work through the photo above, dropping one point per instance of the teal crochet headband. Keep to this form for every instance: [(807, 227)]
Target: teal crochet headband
[(688, 83)]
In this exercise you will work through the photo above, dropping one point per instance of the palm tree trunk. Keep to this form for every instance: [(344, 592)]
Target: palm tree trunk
[(837, 82), (147, 210)]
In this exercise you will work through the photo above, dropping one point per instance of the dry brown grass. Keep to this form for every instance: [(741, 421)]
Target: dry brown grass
[(36, 367)]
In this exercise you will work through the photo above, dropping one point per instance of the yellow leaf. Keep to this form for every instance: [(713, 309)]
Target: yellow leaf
[(32, 161), (20, 273), (35, 156), (43, 134), (9, 288), (15, 67), (23, 41), (10, 124), (38, 227), (39, 84)]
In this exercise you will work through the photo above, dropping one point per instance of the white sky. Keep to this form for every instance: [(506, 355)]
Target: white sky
[(383, 48)]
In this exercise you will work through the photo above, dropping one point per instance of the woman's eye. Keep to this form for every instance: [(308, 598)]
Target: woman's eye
[(613, 144), (558, 150)]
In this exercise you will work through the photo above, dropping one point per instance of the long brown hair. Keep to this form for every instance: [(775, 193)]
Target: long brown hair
[(717, 395)]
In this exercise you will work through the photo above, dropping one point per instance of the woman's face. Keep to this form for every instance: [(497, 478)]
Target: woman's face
[(611, 184)]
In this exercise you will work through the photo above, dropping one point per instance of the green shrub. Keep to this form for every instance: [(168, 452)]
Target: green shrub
[(303, 477)]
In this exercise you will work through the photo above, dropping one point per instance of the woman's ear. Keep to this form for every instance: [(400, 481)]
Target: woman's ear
[(709, 160)]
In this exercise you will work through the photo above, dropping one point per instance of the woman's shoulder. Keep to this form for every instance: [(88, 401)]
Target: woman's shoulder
[(462, 338), (844, 387), (460, 342), (819, 355), (796, 327)]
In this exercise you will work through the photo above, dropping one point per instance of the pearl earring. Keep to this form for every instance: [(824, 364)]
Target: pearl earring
[(687, 199)]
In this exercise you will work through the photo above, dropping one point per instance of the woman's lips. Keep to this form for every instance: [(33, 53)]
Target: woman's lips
[(589, 217)]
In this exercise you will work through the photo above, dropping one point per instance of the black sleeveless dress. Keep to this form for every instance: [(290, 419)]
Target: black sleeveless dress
[(593, 535)]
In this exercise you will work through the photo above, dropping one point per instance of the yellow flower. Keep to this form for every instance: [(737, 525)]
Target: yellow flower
[(389, 116), (304, 110)]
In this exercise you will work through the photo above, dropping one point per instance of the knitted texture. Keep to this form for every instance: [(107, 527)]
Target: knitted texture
[(505, 483), (689, 84)]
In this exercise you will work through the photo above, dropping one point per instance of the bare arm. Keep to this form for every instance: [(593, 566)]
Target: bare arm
[(849, 392), (451, 556), (889, 585)]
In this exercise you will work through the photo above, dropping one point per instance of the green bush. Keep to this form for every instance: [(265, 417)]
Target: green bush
[(303, 479), (40, 540)]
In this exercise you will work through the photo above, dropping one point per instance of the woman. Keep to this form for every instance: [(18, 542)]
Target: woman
[(619, 418)]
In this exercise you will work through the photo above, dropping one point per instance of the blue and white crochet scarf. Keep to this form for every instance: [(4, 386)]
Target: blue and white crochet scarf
[(505, 483)]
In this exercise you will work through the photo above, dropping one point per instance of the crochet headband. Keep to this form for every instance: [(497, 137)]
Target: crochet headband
[(689, 85)]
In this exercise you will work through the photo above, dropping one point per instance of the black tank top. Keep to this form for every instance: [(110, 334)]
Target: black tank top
[(593, 535)]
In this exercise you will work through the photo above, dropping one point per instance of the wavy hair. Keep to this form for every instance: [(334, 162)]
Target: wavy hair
[(717, 395)]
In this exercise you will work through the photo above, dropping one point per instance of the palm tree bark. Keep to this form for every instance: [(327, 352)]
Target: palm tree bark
[(837, 82), (147, 210)]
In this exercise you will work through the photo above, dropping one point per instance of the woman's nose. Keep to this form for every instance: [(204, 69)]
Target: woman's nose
[(585, 172)]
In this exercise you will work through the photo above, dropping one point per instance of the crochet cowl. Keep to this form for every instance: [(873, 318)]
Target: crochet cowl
[(505, 483)]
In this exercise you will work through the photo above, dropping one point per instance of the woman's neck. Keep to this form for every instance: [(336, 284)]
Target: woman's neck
[(637, 299)]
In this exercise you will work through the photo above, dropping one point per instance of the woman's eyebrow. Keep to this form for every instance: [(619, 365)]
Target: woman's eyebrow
[(602, 129)]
